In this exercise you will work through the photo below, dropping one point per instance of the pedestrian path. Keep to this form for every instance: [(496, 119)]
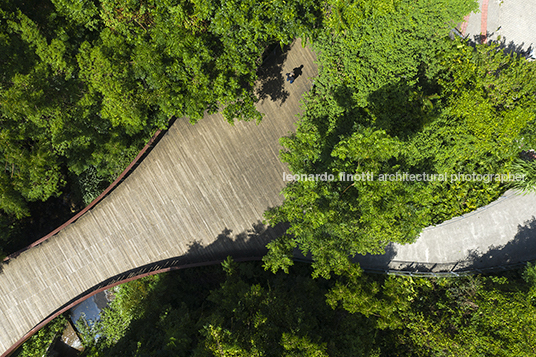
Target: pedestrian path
[(196, 198), (502, 233), (200, 195), (509, 22)]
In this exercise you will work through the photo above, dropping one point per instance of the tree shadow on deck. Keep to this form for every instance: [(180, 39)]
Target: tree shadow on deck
[(271, 82), (248, 244), (513, 254), (380, 262), (519, 250), (244, 246), (508, 47)]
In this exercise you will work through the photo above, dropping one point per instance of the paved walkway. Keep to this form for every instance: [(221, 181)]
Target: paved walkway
[(500, 234), (200, 195), (510, 22)]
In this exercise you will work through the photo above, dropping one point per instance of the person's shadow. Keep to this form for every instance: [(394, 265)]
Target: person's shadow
[(297, 71)]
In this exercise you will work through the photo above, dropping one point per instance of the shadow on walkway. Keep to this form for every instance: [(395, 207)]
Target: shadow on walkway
[(377, 262), (514, 253), (271, 82), (247, 245), (521, 248), (508, 47)]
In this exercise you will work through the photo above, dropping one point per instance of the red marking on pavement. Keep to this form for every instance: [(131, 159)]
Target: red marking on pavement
[(465, 23), (484, 22)]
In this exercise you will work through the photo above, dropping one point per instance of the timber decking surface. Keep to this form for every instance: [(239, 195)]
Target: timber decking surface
[(199, 195)]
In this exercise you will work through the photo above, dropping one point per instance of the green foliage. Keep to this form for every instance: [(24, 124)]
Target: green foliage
[(11, 202), (83, 13), (302, 346), (469, 316), (526, 170), (257, 313), (529, 274), (128, 304), (153, 316), (229, 265), (84, 84), (344, 15), (46, 128), (280, 254), (203, 312), (250, 25), (413, 102), (38, 344)]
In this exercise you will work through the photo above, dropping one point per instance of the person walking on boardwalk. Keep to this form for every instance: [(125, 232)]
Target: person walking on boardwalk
[(295, 73), (290, 77)]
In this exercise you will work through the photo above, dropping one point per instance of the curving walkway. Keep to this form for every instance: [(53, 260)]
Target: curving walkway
[(500, 234), (198, 197)]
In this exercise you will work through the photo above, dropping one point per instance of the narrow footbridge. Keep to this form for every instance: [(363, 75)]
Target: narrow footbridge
[(198, 197)]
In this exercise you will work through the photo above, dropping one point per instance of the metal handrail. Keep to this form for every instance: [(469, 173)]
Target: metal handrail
[(137, 160)]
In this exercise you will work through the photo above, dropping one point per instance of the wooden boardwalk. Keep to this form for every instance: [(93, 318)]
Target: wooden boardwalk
[(198, 196)]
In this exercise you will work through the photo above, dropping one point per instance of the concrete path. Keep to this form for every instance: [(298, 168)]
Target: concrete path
[(509, 22), (499, 234)]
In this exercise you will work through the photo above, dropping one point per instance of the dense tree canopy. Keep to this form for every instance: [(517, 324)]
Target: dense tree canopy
[(395, 96), (247, 312)]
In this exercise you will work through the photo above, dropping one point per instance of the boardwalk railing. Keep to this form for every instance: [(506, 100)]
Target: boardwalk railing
[(450, 273), (178, 263), (436, 270), (163, 266), (139, 158)]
